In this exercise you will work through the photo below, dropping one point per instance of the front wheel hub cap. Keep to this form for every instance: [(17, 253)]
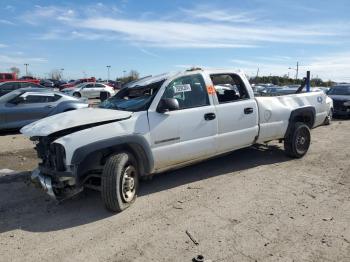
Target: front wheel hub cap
[(128, 184)]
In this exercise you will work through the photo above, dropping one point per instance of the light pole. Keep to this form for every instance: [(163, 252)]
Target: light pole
[(296, 70), (62, 69), (108, 67), (124, 73), (26, 65)]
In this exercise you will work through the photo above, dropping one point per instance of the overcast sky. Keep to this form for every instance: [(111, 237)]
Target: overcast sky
[(157, 36)]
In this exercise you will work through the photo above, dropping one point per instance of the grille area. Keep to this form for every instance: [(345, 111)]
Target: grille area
[(339, 105), (51, 154)]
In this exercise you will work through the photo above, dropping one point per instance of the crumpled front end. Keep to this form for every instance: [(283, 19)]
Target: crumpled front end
[(52, 174)]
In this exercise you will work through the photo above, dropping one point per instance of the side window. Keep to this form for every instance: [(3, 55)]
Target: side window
[(54, 98), (99, 85), (9, 86), (190, 91), (25, 84), (229, 88), (89, 86), (32, 99)]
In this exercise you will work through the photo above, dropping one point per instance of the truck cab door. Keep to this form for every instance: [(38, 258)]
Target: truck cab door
[(237, 112), (185, 134)]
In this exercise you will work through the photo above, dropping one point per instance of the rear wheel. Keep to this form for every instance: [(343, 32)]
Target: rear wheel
[(297, 142), (119, 183)]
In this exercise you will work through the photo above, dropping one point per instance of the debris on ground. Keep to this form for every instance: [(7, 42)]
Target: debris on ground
[(192, 237)]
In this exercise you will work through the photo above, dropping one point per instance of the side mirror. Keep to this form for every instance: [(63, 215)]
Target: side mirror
[(168, 104)]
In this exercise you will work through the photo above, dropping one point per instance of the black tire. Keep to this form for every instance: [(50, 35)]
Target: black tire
[(298, 140), (329, 118), (77, 95), (118, 191)]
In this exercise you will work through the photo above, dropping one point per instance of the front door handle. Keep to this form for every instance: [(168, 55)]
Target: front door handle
[(49, 106), (209, 116), (248, 110)]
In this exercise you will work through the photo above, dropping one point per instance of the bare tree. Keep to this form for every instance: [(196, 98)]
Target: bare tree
[(15, 70), (133, 74), (55, 74)]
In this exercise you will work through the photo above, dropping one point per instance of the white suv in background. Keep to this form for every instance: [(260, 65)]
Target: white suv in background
[(89, 90)]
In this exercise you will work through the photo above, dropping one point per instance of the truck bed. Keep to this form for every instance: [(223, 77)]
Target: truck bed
[(274, 112)]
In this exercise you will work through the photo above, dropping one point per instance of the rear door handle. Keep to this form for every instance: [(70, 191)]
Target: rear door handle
[(209, 116), (248, 110), (49, 106)]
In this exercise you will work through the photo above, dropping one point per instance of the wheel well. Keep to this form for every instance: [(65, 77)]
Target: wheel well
[(303, 115), (94, 161)]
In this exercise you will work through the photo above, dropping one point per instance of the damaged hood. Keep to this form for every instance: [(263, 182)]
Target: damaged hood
[(72, 119)]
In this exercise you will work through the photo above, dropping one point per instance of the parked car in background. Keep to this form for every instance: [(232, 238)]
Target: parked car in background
[(77, 82), (57, 83), (341, 99), (7, 87), (46, 83), (4, 77), (26, 105), (30, 79), (89, 90), (10, 77)]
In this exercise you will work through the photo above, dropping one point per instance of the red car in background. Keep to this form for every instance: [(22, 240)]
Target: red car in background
[(10, 77), (76, 82)]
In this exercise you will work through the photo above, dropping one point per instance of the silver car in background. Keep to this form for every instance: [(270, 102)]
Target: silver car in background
[(26, 105), (89, 90)]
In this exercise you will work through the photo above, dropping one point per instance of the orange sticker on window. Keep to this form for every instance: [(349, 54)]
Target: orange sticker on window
[(211, 90)]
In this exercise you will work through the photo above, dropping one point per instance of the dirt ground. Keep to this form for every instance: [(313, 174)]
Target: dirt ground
[(254, 204)]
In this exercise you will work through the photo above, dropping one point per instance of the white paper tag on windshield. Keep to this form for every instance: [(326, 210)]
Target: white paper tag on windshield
[(182, 88)]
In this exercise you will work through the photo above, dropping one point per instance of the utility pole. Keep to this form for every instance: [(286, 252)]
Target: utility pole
[(26, 65), (296, 76), (62, 69), (296, 70), (108, 67), (257, 73)]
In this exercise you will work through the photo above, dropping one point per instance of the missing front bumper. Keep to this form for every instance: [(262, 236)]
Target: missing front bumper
[(44, 182)]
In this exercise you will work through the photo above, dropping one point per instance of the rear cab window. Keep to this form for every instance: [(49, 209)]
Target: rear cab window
[(229, 88)]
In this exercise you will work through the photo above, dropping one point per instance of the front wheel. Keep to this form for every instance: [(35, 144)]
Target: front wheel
[(119, 181), (297, 142)]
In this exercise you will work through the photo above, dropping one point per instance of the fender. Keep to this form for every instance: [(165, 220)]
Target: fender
[(305, 114), (137, 143)]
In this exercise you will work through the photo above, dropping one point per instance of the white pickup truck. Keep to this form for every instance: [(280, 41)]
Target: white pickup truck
[(165, 122)]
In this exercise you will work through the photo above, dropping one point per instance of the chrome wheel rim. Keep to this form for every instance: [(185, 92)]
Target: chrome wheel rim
[(302, 140), (128, 184)]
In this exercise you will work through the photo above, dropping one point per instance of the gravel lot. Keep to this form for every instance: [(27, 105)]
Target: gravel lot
[(254, 204)]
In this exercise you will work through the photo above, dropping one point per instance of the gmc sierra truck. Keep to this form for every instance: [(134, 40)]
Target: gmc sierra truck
[(161, 123)]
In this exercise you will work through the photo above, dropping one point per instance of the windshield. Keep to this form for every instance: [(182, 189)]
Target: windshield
[(9, 96), (340, 90), (136, 98)]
